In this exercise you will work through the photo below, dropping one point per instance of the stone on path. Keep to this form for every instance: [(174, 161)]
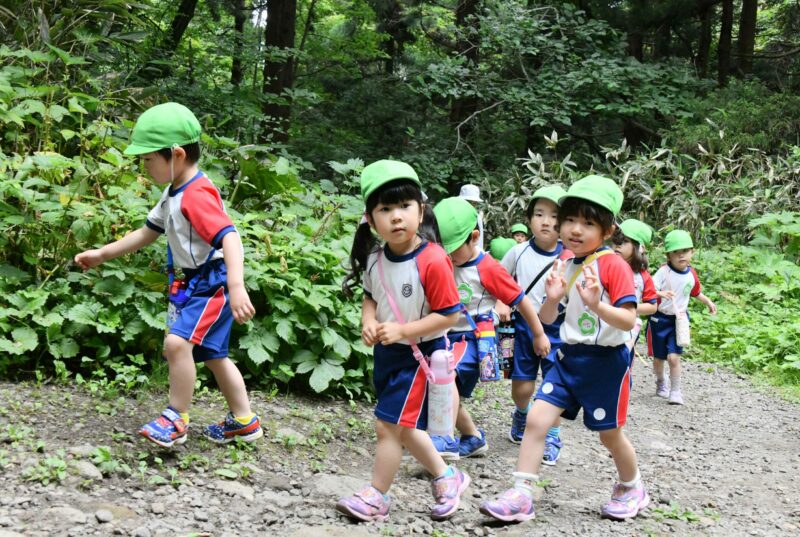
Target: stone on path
[(87, 470)]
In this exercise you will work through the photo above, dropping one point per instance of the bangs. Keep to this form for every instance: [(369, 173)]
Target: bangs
[(586, 209), (395, 192)]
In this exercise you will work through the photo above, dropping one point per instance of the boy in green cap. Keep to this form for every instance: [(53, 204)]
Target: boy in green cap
[(499, 246), (676, 283), (203, 243), (519, 232)]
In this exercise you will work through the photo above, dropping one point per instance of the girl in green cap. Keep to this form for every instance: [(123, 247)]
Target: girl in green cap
[(519, 232), (410, 301)]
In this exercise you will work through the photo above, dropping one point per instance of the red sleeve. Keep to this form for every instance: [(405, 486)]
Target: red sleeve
[(616, 277), (496, 279), (696, 288), (436, 276), (202, 206), (649, 291), (566, 254)]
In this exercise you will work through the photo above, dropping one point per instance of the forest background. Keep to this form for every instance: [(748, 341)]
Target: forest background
[(692, 105)]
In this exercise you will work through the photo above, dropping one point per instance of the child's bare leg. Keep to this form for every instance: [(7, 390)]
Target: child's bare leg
[(231, 384), (388, 455), (540, 418), (182, 374), (464, 423), (622, 452), (522, 391), (420, 445), (674, 365), (658, 368)]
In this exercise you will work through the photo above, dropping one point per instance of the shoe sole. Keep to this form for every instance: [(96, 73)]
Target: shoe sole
[(461, 490), (252, 437), (178, 441), (550, 463), (449, 455), (641, 508), (678, 403), (513, 440), (480, 452), (519, 517), (360, 516)]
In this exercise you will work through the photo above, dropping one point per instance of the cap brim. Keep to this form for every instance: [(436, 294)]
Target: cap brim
[(617, 221), (471, 198), (134, 149)]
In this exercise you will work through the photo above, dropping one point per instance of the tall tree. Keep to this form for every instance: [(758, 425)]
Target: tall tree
[(747, 36), (467, 48), (724, 46), (278, 68), (179, 24), (704, 41), (239, 19)]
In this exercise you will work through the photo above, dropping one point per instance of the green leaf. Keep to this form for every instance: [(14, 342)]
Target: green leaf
[(23, 340), (323, 374), (285, 330), (118, 292), (224, 472)]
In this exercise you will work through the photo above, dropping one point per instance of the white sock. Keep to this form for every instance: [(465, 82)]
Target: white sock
[(675, 383), (633, 482), (525, 482)]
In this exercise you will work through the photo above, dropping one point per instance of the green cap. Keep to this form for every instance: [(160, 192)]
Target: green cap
[(677, 239), (519, 228), (553, 193), (456, 218), (377, 174), (597, 189), (164, 125), (499, 246), (637, 230)]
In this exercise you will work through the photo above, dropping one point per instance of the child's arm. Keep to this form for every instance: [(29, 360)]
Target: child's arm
[(432, 323), (646, 308), (712, 308), (541, 344), (503, 311), (622, 317), (241, 307), (131, 242), (369, 322)]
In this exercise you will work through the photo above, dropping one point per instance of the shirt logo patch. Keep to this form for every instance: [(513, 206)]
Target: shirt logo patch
[(688, 289), (407, 290), (587, 324), (465, 293)]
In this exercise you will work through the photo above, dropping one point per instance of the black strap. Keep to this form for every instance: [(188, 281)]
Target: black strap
[(539, 276)]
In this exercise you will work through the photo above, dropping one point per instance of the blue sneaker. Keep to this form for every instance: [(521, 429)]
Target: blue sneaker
[(166, 430), (473, 446), (447, 446), (552, 450), (229, 430), (517, 426)]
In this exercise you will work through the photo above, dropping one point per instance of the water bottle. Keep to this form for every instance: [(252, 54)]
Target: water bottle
[(488, 365), (440, 393), (505, 336)]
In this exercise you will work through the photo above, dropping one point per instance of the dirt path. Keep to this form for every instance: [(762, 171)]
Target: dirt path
[(728, 464)]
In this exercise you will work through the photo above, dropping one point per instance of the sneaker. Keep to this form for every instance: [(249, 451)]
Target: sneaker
[(518, 420), (166, 430), (675, 397), (511, 506), (447, 446), (447, 492), (473, 446), (662, 390), (229, 430), (367, 504), (552, 450), (626, 502)]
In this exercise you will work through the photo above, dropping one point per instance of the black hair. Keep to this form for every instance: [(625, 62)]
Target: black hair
[(365, 242), (588, 210), (639, 260), (532, 204), (192, 152)]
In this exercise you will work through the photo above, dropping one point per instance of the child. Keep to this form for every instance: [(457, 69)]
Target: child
[(529, 263), (592, 371), (481, 281), (472, 194), (519, 232), (203, 242), (410, 300), (630, 241), (676, 282), (499, 246)]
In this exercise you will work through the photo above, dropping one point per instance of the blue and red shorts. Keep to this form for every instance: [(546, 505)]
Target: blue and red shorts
[(206, 318), (526, 363), (661, 338), (593, 378), (465, 351), (400, 384)]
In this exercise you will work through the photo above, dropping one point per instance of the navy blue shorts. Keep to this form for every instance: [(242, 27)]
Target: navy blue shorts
[(593, 378), (400, 384), (206, 318), (465, 351), (661, 340), (526, 363)]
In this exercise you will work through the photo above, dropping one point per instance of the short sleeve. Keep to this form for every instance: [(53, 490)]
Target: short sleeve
[(697, 288), (649, 292), (509, 259), (367, 280), (616, 277), (659, 277), (156, 216), (436, 273), (496, 279), (202, 207)]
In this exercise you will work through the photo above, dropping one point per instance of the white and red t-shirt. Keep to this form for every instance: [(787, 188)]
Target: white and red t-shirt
[(582, 326), (421, 283), (194, 220), (645, 289), (526, 260), (685, 284), (480, 283)]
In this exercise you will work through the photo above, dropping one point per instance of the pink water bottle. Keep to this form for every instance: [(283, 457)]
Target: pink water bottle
[(440, 393)]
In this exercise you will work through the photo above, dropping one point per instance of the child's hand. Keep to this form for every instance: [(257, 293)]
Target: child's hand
[(503, 311), (589, 288), (241, 307), (389, 333), (89, 259), (666, 294), (556, 285), (712, 308), (369, 333), (541, 345)]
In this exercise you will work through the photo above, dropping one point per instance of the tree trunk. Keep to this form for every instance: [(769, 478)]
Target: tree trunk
[(239, 18), (278, 73), (747, 35), (724, 46), (663, 41), (179, 24), (636, 44), (704, 43)]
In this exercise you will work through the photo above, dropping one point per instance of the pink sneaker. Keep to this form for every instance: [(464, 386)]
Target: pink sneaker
[(447, 492), (511, 506), (367, 504), (626, 502)]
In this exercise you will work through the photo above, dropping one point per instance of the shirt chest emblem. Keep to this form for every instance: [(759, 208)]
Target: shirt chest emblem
[(465, 293), (406, 290)]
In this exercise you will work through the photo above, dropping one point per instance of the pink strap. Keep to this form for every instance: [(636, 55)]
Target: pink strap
[(423, 362)]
